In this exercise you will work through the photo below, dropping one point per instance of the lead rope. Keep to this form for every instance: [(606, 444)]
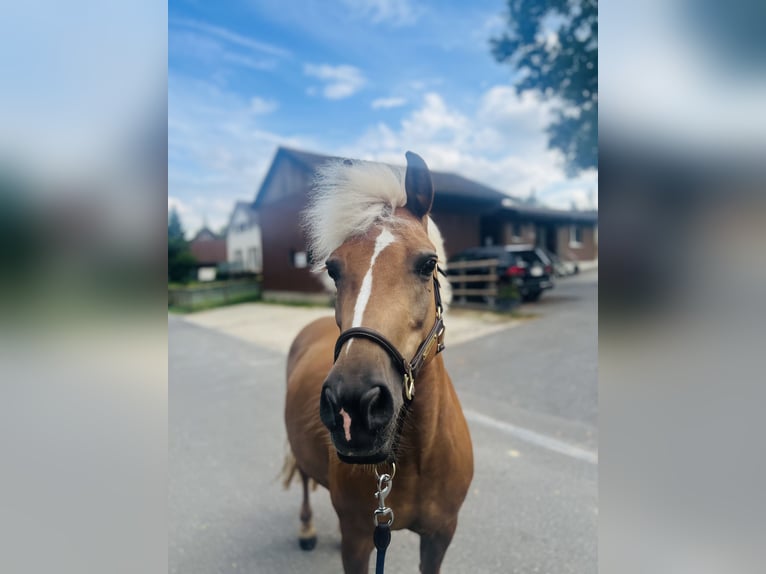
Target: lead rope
[(382, 534)]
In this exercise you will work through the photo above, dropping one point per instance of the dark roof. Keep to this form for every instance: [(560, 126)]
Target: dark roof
[(456, 185), (310, 161), (536, 213), (446, 184), (205, 234), (455, 190)]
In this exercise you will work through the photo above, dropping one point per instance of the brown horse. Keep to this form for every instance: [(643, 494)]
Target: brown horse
[(373, 235)]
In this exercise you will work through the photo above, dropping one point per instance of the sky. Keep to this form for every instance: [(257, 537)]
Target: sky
[(367, 79)]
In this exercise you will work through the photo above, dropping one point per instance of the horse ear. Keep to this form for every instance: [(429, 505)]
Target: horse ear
[(418, 185)]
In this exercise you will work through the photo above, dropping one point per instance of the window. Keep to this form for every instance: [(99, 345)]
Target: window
[(299, 259), (516, 231), (252, 261), (238, 258), (575, 236)]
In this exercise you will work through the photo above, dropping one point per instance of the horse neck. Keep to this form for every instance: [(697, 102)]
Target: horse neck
[(430, 411)]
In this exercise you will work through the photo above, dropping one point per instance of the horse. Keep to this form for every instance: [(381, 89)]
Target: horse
[(354, 403)]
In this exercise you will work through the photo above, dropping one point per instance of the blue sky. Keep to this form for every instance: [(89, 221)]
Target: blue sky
[(368, 79)]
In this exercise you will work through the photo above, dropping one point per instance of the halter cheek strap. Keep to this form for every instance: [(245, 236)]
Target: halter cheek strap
[(408, 369)]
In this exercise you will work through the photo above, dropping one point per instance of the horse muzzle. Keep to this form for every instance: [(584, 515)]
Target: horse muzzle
[(360, 418)]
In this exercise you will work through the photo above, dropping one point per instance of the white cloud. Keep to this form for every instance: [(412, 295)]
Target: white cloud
[(184, 213), (260, 106), (218, 150), (501, 142), (386, 103), (340, 81), (178, 205), (213, 53), (231, 37), (580, 193), (395, 12), (434, 121), (217, 47)]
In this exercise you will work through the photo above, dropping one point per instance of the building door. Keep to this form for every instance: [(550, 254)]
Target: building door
[(546, 237), (491, 232)]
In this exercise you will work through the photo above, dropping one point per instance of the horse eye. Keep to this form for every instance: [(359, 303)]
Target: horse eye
[(333, 270), (427, 269)]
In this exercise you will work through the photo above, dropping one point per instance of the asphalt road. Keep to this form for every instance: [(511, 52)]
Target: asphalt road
[(529, 392)]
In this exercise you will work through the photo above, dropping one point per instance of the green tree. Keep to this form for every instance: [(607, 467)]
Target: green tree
[(180, 260), (553, 45)]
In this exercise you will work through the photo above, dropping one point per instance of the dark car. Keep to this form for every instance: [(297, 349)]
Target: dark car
[(520, 271)]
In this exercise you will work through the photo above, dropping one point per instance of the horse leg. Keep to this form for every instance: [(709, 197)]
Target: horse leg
[(356, 546), (308, 536), (433, 547)]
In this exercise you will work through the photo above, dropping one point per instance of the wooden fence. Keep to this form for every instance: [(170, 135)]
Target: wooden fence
[(474, 281), (202, 295)]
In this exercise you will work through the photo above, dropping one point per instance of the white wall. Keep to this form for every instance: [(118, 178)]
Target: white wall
[(243, 241)]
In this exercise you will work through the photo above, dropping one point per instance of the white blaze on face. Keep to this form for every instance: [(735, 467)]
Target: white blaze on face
[(383, 240)]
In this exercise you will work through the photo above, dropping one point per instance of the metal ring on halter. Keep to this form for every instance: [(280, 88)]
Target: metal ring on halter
[(391, 476)]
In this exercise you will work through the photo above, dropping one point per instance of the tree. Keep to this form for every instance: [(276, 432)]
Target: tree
[(180, 260), (554, 47)]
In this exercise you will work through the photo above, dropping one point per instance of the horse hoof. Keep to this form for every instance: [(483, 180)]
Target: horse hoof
[(307, 543)]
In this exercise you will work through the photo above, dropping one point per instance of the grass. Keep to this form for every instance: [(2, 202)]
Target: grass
[(311, 304), (185, 309), (197, 284)]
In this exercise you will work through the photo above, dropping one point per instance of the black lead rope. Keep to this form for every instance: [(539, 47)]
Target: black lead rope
[(382, 538)]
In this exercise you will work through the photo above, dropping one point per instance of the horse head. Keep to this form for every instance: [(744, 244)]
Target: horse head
[(386, 309)]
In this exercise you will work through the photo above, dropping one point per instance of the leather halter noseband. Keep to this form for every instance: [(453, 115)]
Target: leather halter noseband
[(408, 369)]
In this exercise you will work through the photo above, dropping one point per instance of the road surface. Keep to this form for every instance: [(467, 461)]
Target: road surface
[(529, 393)]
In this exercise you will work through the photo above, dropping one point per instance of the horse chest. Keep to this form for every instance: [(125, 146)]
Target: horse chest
[(419, 503)]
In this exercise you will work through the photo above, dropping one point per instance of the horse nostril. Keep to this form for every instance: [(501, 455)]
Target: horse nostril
[(328, 408), (377, 406)]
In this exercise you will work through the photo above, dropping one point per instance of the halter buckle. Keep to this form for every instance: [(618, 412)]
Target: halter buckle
[(409, 386), (440, 340)]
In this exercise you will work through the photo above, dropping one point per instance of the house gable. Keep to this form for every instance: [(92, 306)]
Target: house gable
[(205, 234), (291, 172), (242, 218)]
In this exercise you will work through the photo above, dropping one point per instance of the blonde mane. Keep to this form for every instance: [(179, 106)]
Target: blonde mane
[(348, 198)]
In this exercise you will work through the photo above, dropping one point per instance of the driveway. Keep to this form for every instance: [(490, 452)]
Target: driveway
[(529, 392), (274, 326)]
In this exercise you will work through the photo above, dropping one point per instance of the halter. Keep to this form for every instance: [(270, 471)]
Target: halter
[(408, 369)]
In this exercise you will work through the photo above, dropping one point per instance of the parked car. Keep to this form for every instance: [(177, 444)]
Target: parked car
[(524, 271), (563, 266)]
